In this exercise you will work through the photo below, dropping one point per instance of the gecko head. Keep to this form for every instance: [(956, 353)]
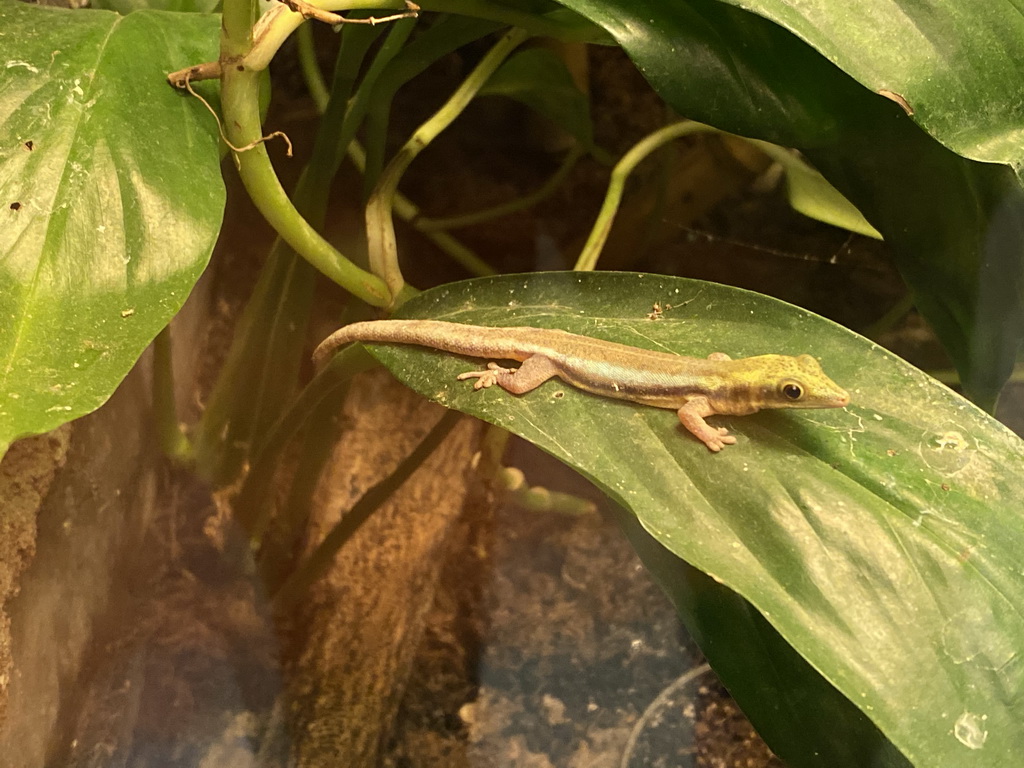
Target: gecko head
[(798, 382)]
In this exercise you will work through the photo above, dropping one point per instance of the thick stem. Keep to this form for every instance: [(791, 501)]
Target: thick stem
[(239, 92), (236, 21)]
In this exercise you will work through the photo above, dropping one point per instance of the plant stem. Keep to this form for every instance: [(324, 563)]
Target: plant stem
[(239, 92), (380, 228), (504, 209), (279, 22), (893, 315), (310, 70), (535, 498), (606, 217), (409, 212), (405, 208), (172, 439), (267, 349), (237, 18), (444, 37), (360, 103)]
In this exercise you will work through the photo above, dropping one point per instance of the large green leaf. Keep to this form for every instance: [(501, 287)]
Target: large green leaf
[(955, 227), (958, 66), (112, 200), (882, 540)]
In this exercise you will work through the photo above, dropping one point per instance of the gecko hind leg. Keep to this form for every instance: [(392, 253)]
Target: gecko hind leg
[(534, 371)]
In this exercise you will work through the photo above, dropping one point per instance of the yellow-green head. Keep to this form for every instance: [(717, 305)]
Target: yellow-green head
[(794, 382)]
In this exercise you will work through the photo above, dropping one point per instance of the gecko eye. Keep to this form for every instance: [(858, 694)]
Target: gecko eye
[(791, 390)]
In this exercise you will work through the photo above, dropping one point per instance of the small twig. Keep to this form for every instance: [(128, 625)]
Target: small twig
[(310, 11), (220, 127), (208, 70)]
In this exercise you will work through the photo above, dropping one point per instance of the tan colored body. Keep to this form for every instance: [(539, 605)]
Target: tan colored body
[(694, 387)]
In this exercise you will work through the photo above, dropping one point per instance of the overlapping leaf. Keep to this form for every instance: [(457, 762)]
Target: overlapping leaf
[(112, 200), (959, 67)]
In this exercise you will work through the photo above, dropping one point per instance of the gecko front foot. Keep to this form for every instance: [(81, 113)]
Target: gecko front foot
[(717, 442), (692, 416), (488, 378)]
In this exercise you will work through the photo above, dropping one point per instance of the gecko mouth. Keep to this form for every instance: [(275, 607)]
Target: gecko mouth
[(839, 399)]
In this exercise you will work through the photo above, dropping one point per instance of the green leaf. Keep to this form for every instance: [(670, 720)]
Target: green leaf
[(881, 540), (958, 66), (810, 193), (954, 226), (538, 78), (125, 7), (112, 200)]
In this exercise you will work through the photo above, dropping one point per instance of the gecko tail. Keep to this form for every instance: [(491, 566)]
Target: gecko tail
[(423, 333), (458, 338)]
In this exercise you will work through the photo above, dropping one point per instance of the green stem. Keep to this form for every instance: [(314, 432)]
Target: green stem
[(444, 37), (237, 18), (239, 91), (606, 217), (310, 69), (405, 208), (279, 22), (340, 119), (535, 498), (951, 377), (409, 212), (360, 104), (295, 587), (512, 206), (172, 439), (267, 349), (380, 228), (280, 537)]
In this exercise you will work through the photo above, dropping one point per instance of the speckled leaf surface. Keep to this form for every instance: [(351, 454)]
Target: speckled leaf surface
[(954, 226), (111, 200), (881, 540)]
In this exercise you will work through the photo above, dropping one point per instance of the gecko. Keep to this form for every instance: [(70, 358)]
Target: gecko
[(695, 388)]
